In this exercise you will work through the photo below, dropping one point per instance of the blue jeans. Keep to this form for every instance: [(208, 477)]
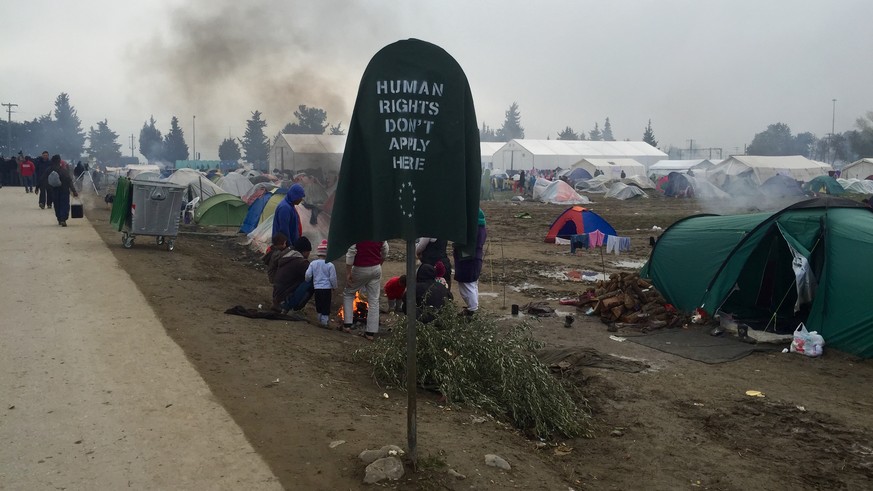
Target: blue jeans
[(27, 182), (300, 297)]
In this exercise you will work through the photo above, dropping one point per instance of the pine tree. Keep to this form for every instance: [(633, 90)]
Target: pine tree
[(67, 136), (151, 142), (310, 121), (175, 147), (255, 144), (606, 134), (488, 134), (229, 150), (512, 125), (594, 135), (568, 134), (104, 147), (649, 135)]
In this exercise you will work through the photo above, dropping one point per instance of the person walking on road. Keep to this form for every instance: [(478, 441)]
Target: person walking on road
[(58, 182), (27, 168), (42, 164)]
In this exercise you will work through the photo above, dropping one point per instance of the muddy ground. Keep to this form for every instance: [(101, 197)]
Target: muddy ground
[(678, 424)]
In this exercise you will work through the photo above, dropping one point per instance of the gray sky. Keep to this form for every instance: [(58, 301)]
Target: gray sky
[(716, 71)]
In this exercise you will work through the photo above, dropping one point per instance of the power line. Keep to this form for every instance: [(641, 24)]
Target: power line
[(9, 111)]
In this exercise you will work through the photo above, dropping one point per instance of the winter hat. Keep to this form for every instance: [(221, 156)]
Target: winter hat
[(56, 159), (322, 249), (302, 245), (440, 269)]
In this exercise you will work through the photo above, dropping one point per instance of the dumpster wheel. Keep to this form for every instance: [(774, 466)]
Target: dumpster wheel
[(171, 244), (126, 240), (159, 240)]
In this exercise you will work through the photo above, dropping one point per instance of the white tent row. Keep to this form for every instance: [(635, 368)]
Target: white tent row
[(759, 168), (664, 167), (527, 154), (612, 167)]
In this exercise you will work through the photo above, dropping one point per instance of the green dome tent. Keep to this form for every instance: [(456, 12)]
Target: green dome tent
[(221, 210), (824, 185), (809, 262)]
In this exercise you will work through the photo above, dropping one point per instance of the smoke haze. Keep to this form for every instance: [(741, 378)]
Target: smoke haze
[(221, 60)]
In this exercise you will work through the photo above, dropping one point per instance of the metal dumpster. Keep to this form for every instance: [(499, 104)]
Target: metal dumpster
[(155, 210)]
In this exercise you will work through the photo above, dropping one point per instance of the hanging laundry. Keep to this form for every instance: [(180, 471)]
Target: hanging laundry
[(612, 244), (624, 244), (595, 239), (580, 240)]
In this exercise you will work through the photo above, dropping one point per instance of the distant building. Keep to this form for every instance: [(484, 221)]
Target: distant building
[(859, 169), (487, 149), (300, 152), (525, 154)]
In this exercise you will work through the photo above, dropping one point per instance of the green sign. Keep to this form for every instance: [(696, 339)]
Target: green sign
[(411, 165)]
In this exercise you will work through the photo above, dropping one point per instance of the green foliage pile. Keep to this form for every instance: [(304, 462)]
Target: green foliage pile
[(472, 361)]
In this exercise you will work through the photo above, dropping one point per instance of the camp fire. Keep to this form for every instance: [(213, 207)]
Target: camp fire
[(360, 309)]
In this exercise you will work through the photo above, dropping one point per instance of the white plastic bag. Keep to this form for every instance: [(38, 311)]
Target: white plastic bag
[(807, 343)]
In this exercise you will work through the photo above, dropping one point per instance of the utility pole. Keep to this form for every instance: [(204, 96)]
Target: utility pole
[(9, 111), (194, 137), (690, 148), (833, 137), (131, 144)]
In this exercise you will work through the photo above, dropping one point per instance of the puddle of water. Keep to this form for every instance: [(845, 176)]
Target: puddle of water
[(628, 264), (524, 286)]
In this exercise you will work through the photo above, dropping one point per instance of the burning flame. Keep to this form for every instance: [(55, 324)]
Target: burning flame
[(360, 308)]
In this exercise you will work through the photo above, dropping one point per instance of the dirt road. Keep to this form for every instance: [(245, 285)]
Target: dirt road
[(95, 395), (293, 388)]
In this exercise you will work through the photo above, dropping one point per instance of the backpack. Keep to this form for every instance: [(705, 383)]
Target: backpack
[(54, 179)]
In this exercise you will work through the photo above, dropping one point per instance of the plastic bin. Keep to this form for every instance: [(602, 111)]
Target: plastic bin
[(155, 210)]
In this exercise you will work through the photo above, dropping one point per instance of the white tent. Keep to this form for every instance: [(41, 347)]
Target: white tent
[(134, 170), (599, 184), (557, 192), (858, 169), (487, 150), (622, 191), (524, 154), (759, 169), (612, 167), (198, 184), (641, 182), (858, 186), (235, 184), (664, 167)]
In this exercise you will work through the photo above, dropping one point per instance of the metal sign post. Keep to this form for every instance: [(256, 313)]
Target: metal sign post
[(411, 352)]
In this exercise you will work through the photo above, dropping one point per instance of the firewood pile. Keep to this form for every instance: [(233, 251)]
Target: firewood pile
[(626, 300)]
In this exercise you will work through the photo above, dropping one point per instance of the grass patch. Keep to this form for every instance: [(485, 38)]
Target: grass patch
[(475, 362)]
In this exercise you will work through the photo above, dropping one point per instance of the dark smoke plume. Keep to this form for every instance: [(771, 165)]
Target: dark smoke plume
[(222, 59)]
